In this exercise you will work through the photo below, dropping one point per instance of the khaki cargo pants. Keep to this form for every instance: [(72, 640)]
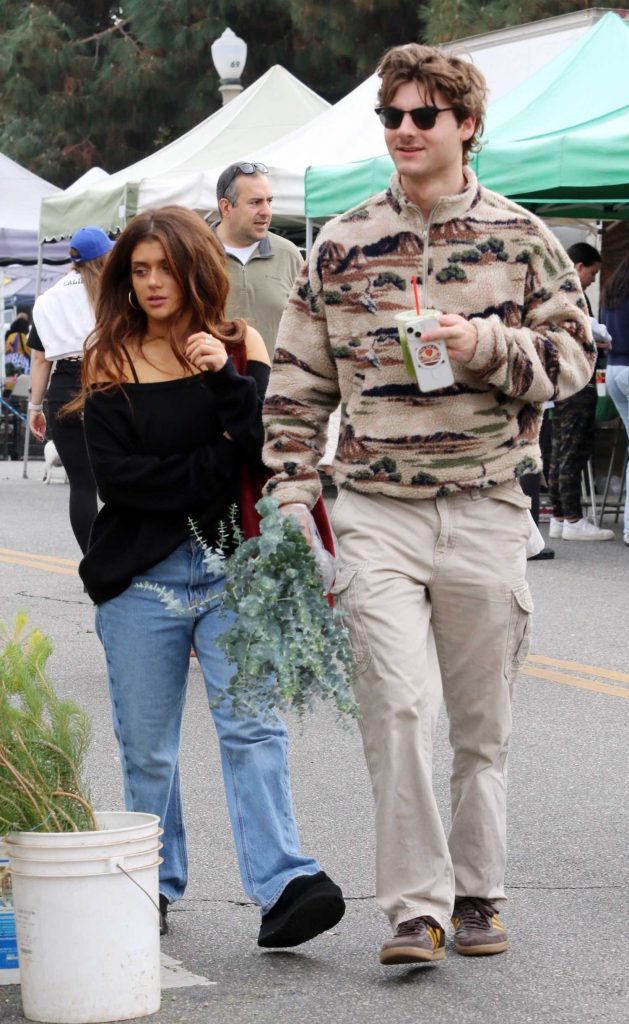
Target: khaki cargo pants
[(436, 602)]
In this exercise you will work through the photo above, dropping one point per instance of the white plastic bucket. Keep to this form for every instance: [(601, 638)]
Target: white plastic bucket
[(116, 827), (88, 929), (66, 868), (49, 851)]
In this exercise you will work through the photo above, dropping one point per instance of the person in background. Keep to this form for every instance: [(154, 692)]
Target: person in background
[(431, 521), (17, 352), (262, 266), (614, 314), (573, 425), (63, 317), (170, 423), (530, 483)]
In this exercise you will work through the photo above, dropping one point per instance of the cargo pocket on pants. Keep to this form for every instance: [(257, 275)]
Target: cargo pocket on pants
[(519, 637), (345, 598)]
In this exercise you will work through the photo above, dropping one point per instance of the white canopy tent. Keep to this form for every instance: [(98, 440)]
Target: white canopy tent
[(27, 279), (95, 176), (509, 56), (181, 172), (21, 193)]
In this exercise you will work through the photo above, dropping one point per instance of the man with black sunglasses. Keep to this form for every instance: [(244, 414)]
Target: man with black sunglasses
[(431, 520), (262, 266)]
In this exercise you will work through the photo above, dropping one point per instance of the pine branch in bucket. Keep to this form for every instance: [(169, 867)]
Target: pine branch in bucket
[(43, 742), (288, 646)]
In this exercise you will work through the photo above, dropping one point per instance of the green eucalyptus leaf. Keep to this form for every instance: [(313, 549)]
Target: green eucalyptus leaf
[(289, 648)]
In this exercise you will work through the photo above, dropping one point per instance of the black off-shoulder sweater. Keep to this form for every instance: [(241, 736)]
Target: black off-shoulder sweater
[(159, 458)]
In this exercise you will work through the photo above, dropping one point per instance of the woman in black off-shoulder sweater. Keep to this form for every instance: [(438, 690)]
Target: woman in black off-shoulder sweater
[(169, 423)]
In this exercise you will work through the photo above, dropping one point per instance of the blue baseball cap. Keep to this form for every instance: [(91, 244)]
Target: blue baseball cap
[(89, 243)]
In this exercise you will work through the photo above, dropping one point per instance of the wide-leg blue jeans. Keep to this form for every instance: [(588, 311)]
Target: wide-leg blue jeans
[(147, 648)]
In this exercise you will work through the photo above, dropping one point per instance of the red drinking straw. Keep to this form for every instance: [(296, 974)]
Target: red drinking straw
[(415, 293)]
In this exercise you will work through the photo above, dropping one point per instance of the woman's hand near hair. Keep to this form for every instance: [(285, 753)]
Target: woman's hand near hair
[(205, 352)]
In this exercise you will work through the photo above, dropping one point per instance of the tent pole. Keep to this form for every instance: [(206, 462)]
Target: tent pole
[(40, 264), (26, 439), (308, 236), (27, 433)]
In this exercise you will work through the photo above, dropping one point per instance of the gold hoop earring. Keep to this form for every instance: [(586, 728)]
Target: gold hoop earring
[(131, 300)]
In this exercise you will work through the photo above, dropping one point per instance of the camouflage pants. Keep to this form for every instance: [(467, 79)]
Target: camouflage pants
[(573, 439)]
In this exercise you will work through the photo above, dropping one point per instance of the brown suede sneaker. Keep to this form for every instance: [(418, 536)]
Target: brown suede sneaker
[(477, 927), (416, 941)]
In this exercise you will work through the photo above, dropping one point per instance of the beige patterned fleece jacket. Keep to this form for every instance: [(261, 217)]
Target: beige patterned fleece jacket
[(477, 254)]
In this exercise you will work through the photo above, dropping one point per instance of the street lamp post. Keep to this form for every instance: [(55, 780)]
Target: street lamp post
[(229, 54)]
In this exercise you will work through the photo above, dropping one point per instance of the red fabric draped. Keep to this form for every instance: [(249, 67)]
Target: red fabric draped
[(251, 485)]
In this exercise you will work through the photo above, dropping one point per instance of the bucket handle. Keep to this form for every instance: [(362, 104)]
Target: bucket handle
[(116, 865)]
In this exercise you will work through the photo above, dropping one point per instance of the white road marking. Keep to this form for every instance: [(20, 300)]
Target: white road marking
[(176, 976)]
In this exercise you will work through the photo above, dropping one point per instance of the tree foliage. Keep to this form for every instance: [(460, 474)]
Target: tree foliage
[(91, 82), (444, 20), (100, 82)]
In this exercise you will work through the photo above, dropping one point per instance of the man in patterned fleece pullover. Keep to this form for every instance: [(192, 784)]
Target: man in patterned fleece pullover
[(431, 521)]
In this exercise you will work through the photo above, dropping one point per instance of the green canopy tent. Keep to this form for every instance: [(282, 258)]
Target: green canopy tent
[(334, 188), (558, 143)]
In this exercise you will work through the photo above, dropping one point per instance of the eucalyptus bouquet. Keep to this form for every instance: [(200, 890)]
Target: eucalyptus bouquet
[(288, 646), (43, 742)]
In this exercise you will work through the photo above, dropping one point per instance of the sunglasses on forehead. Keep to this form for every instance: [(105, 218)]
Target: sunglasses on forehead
[(242, 167), (424, 118), (246, 168)]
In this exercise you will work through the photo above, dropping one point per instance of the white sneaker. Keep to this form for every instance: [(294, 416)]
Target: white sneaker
[(583, 529), (625, 538), (556, 528)]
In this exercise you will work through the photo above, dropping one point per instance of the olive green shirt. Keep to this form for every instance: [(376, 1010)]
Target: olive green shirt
[(259, 289)]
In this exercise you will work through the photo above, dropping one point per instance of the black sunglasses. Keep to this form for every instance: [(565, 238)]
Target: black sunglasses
[(242, 167), (424, 118), (246, 168)]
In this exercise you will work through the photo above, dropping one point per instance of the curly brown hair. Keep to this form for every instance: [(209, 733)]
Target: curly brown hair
[(459, 82), (196, 260)]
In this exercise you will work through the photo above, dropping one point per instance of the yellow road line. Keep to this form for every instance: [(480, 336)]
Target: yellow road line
[(583, 684), (40, 558), (45, 567), (49, 563), (574, 666)]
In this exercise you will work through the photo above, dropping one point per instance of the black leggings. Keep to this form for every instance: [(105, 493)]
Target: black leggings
[(67, 433)]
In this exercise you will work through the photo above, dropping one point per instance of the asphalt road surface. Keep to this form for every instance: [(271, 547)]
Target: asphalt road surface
[(566, 878)]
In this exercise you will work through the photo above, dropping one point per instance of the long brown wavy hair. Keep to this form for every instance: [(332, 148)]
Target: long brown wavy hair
[(196, 260)]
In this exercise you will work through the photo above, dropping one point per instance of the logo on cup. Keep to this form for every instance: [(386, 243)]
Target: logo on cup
[(428, 355)]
